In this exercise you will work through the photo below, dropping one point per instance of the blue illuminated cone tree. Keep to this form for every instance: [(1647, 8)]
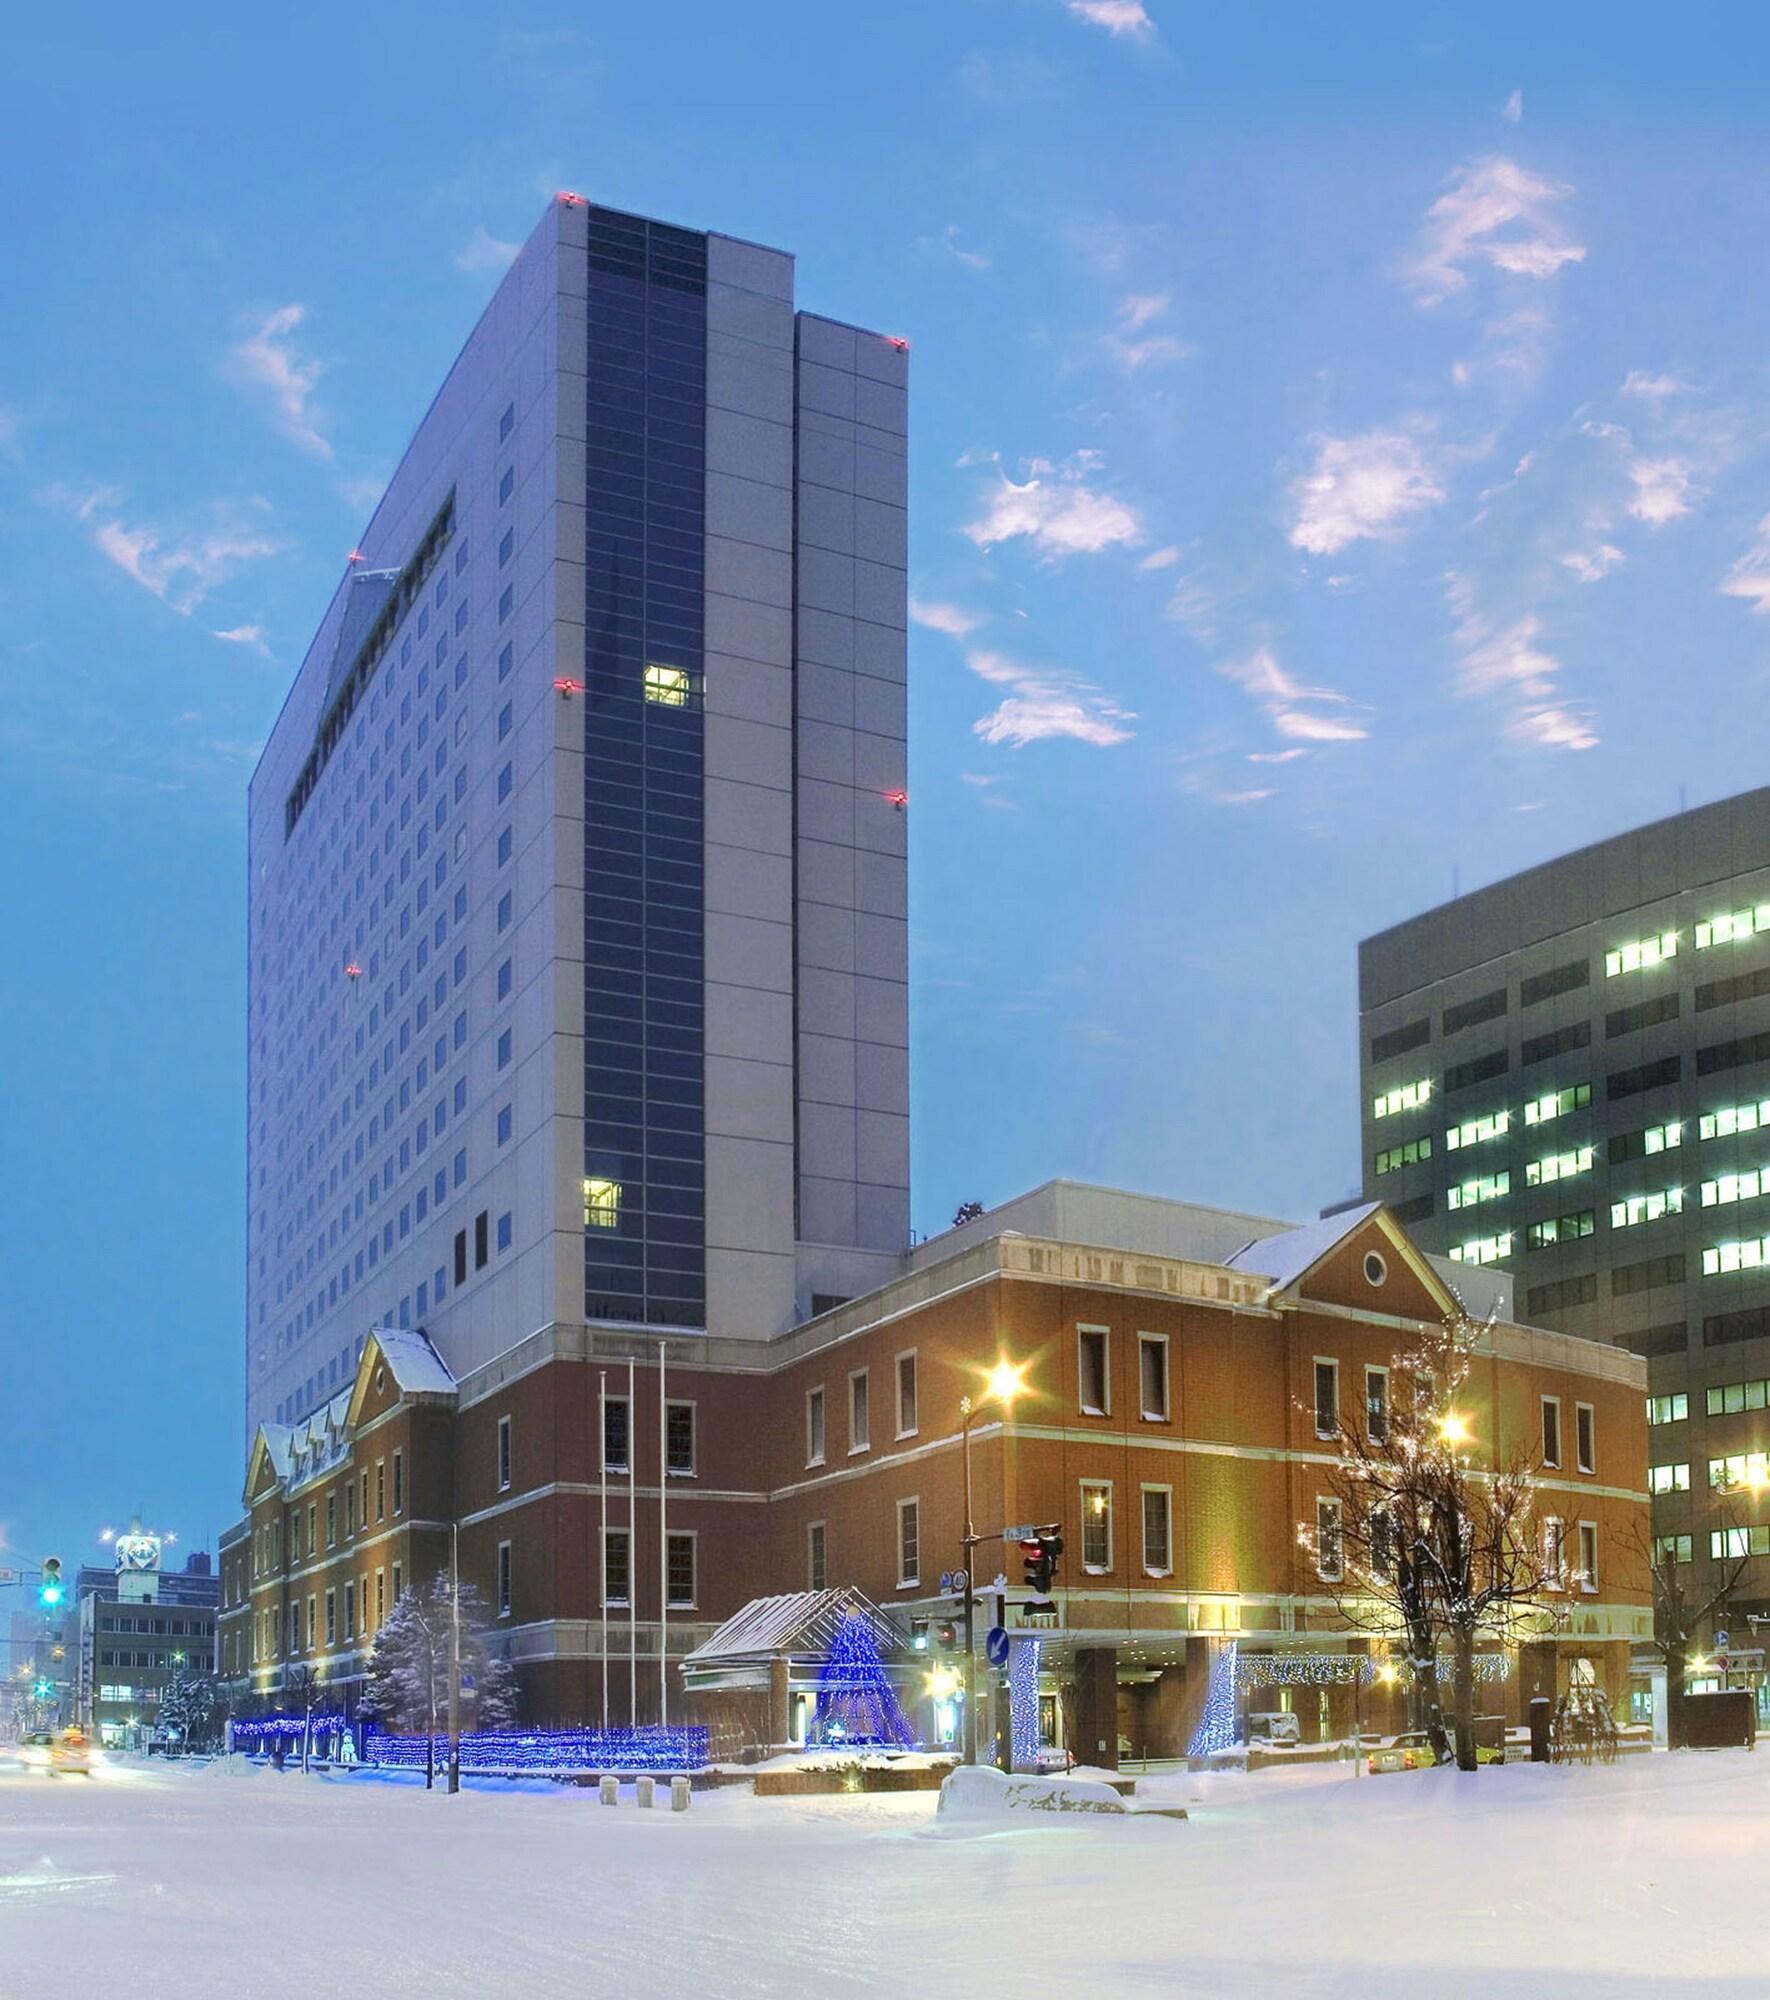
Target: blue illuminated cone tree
[(856, 1702)]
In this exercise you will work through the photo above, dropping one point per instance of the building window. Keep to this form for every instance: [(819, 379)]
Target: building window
[(1668, 1478), (1405, 1097), (331, 1520), (1096, 1526), (1554, 1553), (1376, 1405), (1411, 1154), (1486, 1187), (1476, 1132), (667, 685), (504, 1049), (294, 1628), (398, 1583), (1732, 926), (482, 1239), (1152, 1376), (1725, 1188), (816, 1575), (503, 1579), (679, 1440), (1723, 1399), (312, 1625), (602, 1204), (1737, 1469), (1158, 1531), (1327, 1398), (906, 1395), (1747, 1255), (1640, 953), (1482, 1249), (814, 1426), (860, 1416), (1588, 1555), (1330, 1553), (380, 1489), (1093, 1382), (349, 1611), (1638, 1208), (1551, 1430), (679, 1565), (1585, 1444), (503, 1124), (503, 1454), (380, 1597), (1675, 1408), (1671, 1548), (1558, 1166), (615, 1430), (909, 1543), (399, 1487), (331, 1618), (506, 1230), (1557, 1103), (617, 1574), (1734, 1118)]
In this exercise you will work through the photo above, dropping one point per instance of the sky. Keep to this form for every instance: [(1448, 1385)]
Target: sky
[(1340, 475)]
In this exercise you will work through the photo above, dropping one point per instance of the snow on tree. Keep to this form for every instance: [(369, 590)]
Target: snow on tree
[(411, 1665), (1427, 1533), (188, 1705)]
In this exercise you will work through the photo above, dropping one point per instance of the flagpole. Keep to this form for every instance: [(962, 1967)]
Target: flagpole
[(632, 1545), (602, 1555), (663, 1549)]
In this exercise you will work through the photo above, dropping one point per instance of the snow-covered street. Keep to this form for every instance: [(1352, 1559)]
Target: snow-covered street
[(1642, 1879)]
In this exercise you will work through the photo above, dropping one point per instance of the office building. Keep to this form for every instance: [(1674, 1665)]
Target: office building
[(1567, 1077)]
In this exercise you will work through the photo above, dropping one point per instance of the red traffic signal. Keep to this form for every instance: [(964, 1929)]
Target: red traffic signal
[(1038, 1556), (947, 1633)]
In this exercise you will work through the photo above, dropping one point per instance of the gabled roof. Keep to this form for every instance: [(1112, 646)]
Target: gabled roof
[(416, 1367), (273, 1447), (1285, 1258), (801, 1621)]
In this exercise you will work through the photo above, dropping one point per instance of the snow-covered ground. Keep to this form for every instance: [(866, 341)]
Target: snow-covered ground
[(1644, 1879)]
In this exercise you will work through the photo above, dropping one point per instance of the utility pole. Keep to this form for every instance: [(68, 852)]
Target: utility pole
[(455, 1657)]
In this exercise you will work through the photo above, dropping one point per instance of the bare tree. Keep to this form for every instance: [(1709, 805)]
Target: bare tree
[(301, 1690), (1418, 1536), (1679, 1614)]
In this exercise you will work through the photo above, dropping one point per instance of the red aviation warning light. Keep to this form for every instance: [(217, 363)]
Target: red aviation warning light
[(570, 200), (897, 799), (568, 687), (897, 340), (353, 971)]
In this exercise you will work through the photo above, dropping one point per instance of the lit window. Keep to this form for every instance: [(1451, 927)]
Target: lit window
[(1476, 1132), (667, 685), (1647, 1207), (1560, 1229), (602, 1204), (1734, 1118), (1408, 1155), (1669, 1409), (1733, 925), (1483, 1249), (1558, 1167), (1662, 1138), (1640, 953), (1557, 1103), (1746, 1186), (1489, 1187), (1741, 1468), (1749, 1255), (1671, 1549), (1404, 1097), (1668, 1479)]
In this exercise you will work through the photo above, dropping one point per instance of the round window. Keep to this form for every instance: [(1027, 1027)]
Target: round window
[(1375, 1270), (380, 1380)]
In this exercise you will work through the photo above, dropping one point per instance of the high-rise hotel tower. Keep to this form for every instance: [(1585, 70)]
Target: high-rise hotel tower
[(577, 880)]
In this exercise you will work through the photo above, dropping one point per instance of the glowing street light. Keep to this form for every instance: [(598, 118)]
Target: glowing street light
[(1453, 1429), (1005, 1381)]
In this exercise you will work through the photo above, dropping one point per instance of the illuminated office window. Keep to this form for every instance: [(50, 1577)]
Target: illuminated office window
[(669, 686), (602, 1204), (1640, 953)]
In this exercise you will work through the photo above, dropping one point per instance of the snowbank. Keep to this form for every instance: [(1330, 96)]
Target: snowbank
[(976, 1791)]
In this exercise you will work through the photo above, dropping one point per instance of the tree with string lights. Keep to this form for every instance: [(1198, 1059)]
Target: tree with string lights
[(1418, 1537), (414, 1656)]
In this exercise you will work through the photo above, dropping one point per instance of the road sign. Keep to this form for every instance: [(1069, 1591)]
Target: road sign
[(957, 1582), (1721, 1662), (1020, 1534), (1722, 1639), (8, 1576), (995, 1647)]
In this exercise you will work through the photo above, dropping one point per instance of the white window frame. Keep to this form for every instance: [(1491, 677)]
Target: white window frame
[(864, 1376), (814, 1532), (1542, 1432), (506, 1456), (608, 1536), (909, 1577), (817, 1437), (1554, 1552), (1379, 1372), (621, 1464), (1588, 1573), (504, 1573), (1089, 1487), (1328, 1507), (1589, 1462), (1318, 1363), (908, 1354), (693, 1537), (1167, 1494), (692, 1469), (1085, 1332), (1159, 1341)]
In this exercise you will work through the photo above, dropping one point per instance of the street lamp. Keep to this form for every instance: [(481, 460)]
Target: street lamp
[(1001, 1385)]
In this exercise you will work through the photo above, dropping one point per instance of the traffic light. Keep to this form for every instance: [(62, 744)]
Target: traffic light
[(919, 1634), (946, 1633), (51, 1590), (1038, 1556), (44, 1690)]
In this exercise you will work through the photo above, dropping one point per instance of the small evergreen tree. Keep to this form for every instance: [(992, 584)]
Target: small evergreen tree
[(188, 1704), (410, 1667)]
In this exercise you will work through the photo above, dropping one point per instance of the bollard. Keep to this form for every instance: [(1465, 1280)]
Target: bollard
[(609, 1791), (679, 1795), (643, 1789)]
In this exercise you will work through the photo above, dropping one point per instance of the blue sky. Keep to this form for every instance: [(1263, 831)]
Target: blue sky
[(1340, 470)]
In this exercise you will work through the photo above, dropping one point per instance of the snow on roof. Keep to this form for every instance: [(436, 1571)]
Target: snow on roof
[(801, 1621), (278, 1444), (416, 1366), (1285, 1257)]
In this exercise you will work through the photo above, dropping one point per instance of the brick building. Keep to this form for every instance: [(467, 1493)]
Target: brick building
[(1169, 1423)]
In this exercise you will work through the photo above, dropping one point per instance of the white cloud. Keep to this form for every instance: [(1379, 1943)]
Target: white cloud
[(1266, 682), (1133, 346), (1200, 785), (947, 244), (1160, 558), (1359, 486), (267, 359), (1276, 756), (1512, 111), (1506, 663), (1464, 226), (244, 635), (1117, 17), (180, 566), (484, 252), (1045, 703), (1059, 513), (1138, 309), (1749, 577), (1593, 565), (949, 618), (1653, 388), (1663, 489)]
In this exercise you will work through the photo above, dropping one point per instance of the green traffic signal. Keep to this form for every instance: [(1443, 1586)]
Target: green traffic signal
[(51, 1591)]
